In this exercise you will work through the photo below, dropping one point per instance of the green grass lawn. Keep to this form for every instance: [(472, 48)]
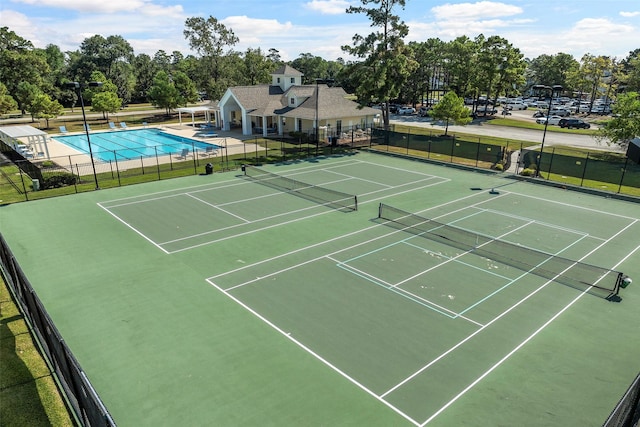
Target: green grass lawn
[(28, 393)]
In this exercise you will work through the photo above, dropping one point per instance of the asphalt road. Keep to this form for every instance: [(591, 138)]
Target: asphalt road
[(482, 127)]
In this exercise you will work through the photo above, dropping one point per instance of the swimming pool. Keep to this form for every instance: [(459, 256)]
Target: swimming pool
[(132, 144)]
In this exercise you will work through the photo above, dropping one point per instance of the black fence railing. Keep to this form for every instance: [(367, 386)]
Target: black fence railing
[(603, 170), (71, 380), (627, 411), (449, 149)]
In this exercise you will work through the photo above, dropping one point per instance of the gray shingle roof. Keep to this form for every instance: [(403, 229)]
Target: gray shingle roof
[(266, 100), (287, 71)]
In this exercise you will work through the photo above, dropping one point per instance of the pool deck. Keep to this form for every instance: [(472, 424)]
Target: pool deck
[(67, 157)]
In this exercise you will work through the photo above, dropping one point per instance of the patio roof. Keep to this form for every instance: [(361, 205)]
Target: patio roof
[(193, 110), (21, 131)]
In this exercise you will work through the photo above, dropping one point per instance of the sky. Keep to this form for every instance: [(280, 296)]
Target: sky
[(321, 27)]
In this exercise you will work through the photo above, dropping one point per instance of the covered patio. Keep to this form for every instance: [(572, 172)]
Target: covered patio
[(26, 140), (206, 109)]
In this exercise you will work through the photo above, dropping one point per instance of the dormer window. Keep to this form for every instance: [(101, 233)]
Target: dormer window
[(293, 79), (292, 101)]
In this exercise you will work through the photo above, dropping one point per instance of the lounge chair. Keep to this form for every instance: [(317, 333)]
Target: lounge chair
[(63, 129), (184, 153), (210, 150), (112, 125), (123, 125), (210, 134)]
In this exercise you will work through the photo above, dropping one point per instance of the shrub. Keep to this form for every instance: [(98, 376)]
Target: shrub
[(61, 179), (47, 164)]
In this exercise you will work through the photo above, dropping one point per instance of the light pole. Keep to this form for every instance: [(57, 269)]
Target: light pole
[(552, 90), (78, 88)]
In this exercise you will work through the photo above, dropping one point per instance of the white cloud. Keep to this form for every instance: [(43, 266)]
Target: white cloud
[(146, 7), (474, 11), (630, 14), (328, 7)]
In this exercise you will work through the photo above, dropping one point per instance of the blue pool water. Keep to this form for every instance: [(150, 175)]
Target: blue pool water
[(132, 144)]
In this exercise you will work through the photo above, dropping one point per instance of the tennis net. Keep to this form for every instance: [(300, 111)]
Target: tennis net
[(324, 196), (597, 280)]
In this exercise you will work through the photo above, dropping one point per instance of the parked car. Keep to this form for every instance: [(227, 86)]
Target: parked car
[(516, 105), (553, 120), (406, 110), (560, 111), (574, 123)]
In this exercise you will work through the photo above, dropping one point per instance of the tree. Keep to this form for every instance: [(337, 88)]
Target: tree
[(257, 67), (451, 109), (186, 88), (104, 98), (20, 63), (501, 67), (7, 103), (42, 107), (25, 94), (210, 38), (625, 124), (313, 67), (631, 71), (163, 93), (387, 63)]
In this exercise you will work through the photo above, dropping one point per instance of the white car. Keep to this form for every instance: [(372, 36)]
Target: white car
[(406, 110), (553, 120), (515, 105)]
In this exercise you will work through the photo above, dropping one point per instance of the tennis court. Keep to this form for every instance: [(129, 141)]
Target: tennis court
[(373, 291)]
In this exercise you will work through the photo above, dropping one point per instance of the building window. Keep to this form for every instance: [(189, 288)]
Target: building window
[(293, 79), (293, 101), (278, 79)]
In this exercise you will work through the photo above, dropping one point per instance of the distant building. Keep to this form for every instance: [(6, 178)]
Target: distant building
[(286, 105)]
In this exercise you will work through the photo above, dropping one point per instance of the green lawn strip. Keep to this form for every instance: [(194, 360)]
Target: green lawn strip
[(493, 140), (28, 393)]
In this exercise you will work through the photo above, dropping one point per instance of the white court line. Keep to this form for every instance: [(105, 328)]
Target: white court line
[(460, 343), (545, 224), (362, 179), (204, 233), (134, 229), (573, 206), (283, 223), (530, 337), (403, 292), (305, 248), (316, 355), (218, 208), (458, 256)]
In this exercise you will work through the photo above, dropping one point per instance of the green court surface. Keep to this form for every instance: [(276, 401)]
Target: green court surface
[(218, 300)]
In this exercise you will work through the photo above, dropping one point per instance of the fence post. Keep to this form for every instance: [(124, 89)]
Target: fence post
[(23, 186), (157, 162), (117, 169), (195, 164), (553, 152), (584, 170), (624, 170)]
